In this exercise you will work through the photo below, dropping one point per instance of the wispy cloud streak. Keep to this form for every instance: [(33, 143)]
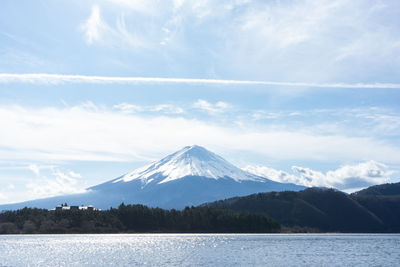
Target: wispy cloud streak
[(44, 78)]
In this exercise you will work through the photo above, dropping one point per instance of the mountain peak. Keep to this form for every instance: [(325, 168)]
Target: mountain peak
[(189, 161), (193, 147), (195, 151)]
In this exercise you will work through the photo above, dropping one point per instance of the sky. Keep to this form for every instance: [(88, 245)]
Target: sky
[(303, 91)]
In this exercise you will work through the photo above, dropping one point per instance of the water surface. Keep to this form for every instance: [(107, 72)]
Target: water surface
[(200, 250)]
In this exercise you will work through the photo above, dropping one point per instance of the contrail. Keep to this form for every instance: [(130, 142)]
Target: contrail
[(44, 78)]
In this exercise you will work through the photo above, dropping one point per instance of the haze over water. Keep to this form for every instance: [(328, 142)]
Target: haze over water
[(201, 250)]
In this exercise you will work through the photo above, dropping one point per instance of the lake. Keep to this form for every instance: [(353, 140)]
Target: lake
[(201, 250)]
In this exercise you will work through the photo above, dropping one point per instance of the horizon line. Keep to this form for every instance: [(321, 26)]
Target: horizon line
[(46, 78)]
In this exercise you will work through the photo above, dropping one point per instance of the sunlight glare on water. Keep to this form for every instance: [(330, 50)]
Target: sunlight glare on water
[(200, 250)]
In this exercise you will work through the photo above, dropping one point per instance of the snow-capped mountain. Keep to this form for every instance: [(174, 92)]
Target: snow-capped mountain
[(189, 161), (190, 176)]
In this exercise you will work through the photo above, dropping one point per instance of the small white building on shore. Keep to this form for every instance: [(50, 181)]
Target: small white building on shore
[(66, 207)]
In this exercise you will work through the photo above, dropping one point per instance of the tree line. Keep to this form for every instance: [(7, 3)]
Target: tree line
[(134, 219)]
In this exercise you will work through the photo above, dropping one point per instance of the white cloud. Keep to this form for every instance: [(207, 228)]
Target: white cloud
[(59, 183), (312, 40), (178, 3), (163, 108), (361, 121), (169, 109), (96, 30), (147, 7), (43, 78), (305, 40), (288, 24), (93, 26), (211, 108), (273, 174), (74, 174), (348, 177), (35, 169), (128, 108), (262, 114), (102, 134), (387, 124)]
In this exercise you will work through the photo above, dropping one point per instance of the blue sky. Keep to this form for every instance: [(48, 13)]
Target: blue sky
[(303, 91)]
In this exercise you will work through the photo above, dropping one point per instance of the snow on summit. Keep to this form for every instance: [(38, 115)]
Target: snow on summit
[(189, 161)]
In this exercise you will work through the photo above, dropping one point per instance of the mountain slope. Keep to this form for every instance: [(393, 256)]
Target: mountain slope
[(190, 176), (382, 190), (384, 201), (325, 210)]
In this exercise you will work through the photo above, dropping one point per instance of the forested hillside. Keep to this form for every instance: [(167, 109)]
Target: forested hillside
[(325, 210), (383, 190), (134, 218)]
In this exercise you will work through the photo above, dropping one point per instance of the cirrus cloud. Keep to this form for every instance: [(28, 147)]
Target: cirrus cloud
[(45, 78)]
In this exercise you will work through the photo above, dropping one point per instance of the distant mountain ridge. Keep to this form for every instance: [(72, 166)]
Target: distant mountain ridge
[(325, 210), (382, 190), (188, 177)]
